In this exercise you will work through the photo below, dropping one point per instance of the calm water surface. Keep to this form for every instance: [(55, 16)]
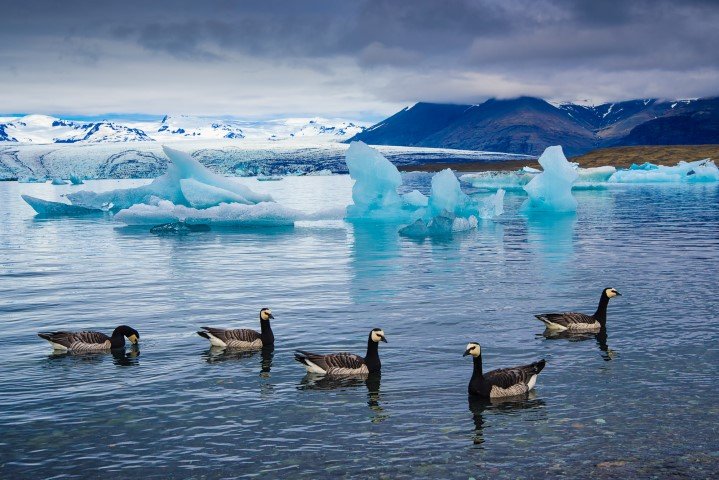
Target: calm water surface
[(642, 402)]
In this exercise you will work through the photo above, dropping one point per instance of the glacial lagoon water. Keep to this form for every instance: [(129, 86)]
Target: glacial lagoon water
[(640, 402)]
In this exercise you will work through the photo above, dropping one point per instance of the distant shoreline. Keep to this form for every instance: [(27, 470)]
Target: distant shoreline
[(620, 157)]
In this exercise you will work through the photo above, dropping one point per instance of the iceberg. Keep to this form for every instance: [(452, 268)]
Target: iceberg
[(58, 181), (374, 193), (169, 187), (415, 198), (514, 180), (75, 180), (57, 209), (447, 209), (684, 172), (188, 192), (264, 214), (551, 190)]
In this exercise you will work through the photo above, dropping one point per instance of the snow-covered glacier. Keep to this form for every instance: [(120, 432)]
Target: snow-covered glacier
[(147, 160)]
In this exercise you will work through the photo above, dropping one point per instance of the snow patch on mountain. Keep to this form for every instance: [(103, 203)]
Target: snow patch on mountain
[(43, 129)]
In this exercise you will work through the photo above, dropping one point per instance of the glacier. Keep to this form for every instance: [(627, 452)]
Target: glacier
[(551, 190)]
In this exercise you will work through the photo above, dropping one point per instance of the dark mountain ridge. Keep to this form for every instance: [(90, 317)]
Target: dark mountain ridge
[(528, 125)]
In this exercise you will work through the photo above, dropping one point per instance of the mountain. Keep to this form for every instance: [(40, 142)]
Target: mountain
[(528, 125), (185, 126), (524, 124), (41, 129), (412, 124)]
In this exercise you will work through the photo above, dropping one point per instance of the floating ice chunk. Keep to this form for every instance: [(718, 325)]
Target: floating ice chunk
[(551, 190), (643, 166), (374, 193), (262, 214), (31, 179), (268, 179), (169, 187), (75, 180), (59, 181), (57, 209), (495, 180), (690, 172), (596, 174), (446, 194), (415, 199), (202, 195)]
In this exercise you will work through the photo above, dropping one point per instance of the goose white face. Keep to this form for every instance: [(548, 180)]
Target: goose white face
[(611, 292), (473, 349), (266, 314), (378, 336)]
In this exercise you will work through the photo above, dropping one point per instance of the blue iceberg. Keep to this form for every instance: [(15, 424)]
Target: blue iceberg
[(447, 209), (551, 190)]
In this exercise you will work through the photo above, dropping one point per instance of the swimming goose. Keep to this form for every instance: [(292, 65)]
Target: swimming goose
[(503, 382), (242, 337), (345, 363), (580, 322), (90, 341)]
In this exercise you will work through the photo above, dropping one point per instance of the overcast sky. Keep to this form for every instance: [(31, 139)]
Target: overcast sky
[(357, 59)]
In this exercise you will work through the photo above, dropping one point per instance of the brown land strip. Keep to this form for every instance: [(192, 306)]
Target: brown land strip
[(620, 157)]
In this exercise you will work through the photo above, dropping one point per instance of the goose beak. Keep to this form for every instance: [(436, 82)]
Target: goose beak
[(272, 316), (383, 339), (466, 352), (618, 294)]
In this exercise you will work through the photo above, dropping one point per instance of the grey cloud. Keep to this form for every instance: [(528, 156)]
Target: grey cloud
[(376, 51)]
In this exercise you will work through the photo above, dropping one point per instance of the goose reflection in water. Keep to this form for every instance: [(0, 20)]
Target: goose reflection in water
[(120, 357), (222, 354), (600, 337), (372, 381), (479, 407)]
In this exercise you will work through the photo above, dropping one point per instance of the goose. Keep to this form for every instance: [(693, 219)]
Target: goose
[(503, 382), (242, 337), (579, 322), (90, 341), (335, 364)]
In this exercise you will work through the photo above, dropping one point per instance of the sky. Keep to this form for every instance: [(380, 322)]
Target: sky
[(361, 59)]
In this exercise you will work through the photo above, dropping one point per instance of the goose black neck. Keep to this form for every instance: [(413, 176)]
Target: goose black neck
[(601, 314), (268, 338), (477, 372), (117, 340), (372, 357)]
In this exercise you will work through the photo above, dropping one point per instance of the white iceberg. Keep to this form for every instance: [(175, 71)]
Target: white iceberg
[(684, 172), (169, 187), (264, 214), (551, 190), (187, 192)]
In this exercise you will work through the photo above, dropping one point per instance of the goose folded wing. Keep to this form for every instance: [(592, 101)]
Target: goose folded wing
[(568, 318), (238, 335), (89, 338), (334, 361), (509, 377)]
